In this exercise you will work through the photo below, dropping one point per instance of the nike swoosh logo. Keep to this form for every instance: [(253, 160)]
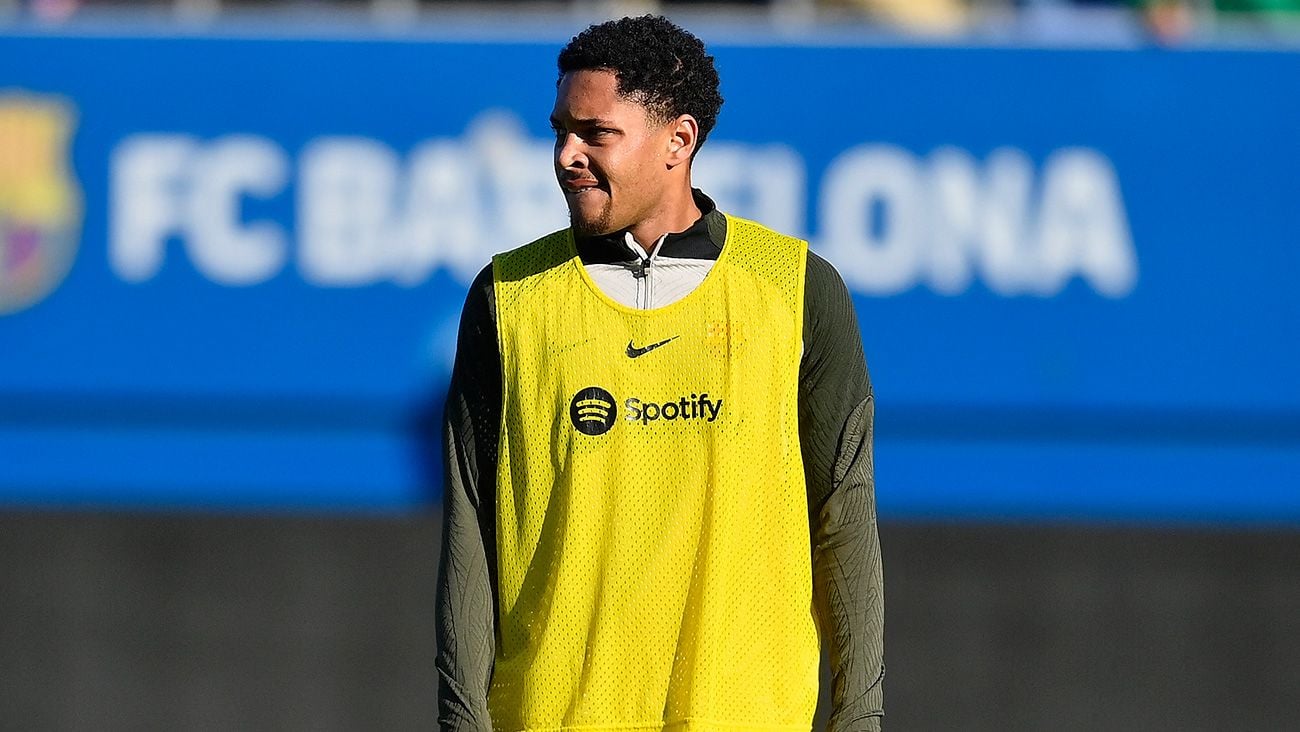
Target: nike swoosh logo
[(634, 352)]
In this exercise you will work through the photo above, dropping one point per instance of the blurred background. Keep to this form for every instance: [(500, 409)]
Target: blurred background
[(235, 238)]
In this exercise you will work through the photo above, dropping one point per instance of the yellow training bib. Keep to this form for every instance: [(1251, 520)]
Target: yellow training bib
[(653, 553)]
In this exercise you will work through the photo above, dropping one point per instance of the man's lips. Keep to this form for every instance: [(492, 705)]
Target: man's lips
[(579, 185)]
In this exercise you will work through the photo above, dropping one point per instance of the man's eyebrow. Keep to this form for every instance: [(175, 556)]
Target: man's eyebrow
[(585, 121)]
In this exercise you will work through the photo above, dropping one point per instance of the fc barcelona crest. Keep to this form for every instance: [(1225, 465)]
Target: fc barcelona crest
[(40, 201)]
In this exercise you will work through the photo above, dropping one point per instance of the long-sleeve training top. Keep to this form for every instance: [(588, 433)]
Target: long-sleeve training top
[(836, 413)]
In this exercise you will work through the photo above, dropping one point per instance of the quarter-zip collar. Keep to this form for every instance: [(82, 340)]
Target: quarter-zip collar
[(696, 242)]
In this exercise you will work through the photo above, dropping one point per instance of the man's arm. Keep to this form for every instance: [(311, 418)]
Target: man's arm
[(466, 604), (836, 415)]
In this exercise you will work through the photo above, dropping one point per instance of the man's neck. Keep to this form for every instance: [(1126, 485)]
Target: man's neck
[(676, 215)]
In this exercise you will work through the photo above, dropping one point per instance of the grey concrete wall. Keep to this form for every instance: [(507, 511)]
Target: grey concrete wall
[(133, 622)]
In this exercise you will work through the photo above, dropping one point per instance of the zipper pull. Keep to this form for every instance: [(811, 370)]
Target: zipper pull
[(639, 269)]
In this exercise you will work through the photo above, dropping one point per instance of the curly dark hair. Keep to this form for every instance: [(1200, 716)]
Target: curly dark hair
[(659, 65)]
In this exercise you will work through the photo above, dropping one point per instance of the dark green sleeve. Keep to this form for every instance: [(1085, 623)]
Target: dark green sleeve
[(836, 415), (466, 604)]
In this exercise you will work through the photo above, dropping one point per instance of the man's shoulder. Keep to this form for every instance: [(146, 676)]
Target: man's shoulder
[(536, 256), (822, 275), (739, 225), (515, 264), (558, 237)]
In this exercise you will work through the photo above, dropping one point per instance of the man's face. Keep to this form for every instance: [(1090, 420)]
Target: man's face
[(608, 153)]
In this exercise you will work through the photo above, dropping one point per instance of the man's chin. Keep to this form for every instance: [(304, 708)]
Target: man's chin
[(590, 225)]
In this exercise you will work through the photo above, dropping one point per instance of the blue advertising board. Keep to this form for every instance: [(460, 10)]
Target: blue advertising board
[(231, 269)]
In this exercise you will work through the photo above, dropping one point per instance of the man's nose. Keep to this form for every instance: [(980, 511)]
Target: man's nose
[(569, 153)]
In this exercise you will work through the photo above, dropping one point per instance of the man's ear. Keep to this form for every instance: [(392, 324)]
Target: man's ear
[(681, 143)]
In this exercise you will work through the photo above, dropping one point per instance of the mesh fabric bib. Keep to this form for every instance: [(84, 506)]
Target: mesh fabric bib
[(652, 521)]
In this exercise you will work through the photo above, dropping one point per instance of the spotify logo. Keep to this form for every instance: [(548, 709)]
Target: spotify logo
[(592, 411)]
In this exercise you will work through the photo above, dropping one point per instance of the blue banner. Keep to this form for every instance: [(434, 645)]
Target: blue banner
[(231, 269)]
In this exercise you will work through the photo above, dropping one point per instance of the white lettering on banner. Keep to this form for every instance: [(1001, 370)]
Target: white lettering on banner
[(953, 189), (872, 210), (763, 182), (347, 190), (364, 219), (1001, 245), (442, 226), (173, 186), (148, 192), (364, 214), (1082, 223), (890, 220), (223, 249), (519, 189)]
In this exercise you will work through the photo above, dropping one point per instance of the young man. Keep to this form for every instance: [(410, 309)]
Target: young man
[(655, 417)]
